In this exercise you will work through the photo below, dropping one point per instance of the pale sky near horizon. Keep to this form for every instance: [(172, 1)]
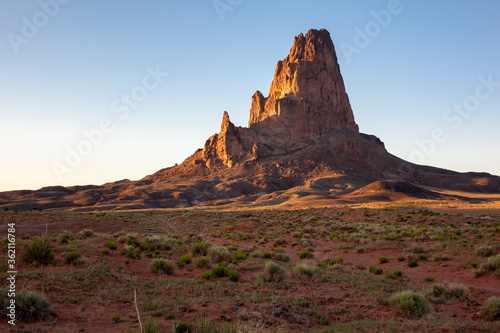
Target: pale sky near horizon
[(423, 76)]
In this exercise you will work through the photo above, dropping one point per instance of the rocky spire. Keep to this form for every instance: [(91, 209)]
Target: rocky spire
[(307, 97)]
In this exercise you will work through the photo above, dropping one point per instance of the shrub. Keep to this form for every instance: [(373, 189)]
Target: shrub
[(438, 290), (73, 258), (152, 326), (306, 270), (360, 250), (202, 262), (146, 246), (30, 306), (184, 260), (275, 272), (219, 271), (412, 263), (485, 251), (85, 233), (203, 324), (111, 245), (131, 239), (240, 255), (429, 279), (183, 328), (282, 257), (116, 318), (422, 256), (383, 260), (162, 266), (306, 254), (409, 304), (201, 248), (457, 291), (491, 265), (257, 254), (38, 251), (233, 275), (375, 270), (491, 309), (267, 255), (207, 276), (219, 254), (414, 248), (401, 258)]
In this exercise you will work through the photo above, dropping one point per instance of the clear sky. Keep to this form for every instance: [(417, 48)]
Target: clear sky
[(424, 76)]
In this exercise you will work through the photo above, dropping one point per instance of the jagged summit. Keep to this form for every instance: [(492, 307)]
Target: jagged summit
[(307, 97), (307, 102)]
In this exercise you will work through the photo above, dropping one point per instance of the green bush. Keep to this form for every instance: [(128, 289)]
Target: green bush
[(233, 275), (202, 262), (375, 270), (306, 254), (240, 255), (184, 260), (147, 246), (219, 254), (282, 257), (162, 266), (485, 251), (267, 255), (438, 290), (74, 258), (183, 328), (491, 265), (412, 263), (409, 304), (383, 260), (219, 271), (275, 272), (414, 248), (306, 270), (457, 291), (30, 306), (491, 309), (85, 233), (111, 245), (38, 251), (116, 318), (201, 248)]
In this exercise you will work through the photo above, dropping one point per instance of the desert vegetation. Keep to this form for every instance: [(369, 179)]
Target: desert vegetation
[(322, 270)]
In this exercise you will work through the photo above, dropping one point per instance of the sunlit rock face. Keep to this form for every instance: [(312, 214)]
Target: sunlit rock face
[(307, 101), (307, 97)]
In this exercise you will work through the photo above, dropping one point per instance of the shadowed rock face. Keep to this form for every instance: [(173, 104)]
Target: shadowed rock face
[(307, 97)]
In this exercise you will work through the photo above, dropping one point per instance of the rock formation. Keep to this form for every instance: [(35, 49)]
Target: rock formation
[(302, 142), (307, 97), (307, 102)]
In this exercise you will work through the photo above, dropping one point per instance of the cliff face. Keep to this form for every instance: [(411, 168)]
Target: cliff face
[(307, 97), (307, 102)]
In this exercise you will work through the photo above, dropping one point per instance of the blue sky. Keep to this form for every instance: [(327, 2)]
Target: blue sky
[(409, 67)]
